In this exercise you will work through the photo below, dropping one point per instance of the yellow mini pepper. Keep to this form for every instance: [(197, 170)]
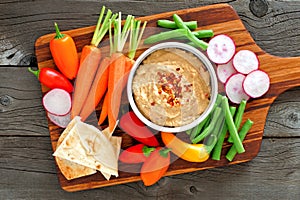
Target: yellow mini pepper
[(186, 151)]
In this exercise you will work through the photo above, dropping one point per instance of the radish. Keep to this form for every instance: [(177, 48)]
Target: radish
[(221, 49), (61, 121), (234, 88), (224, 71), (245, 61), (57, 101), (256, 83)]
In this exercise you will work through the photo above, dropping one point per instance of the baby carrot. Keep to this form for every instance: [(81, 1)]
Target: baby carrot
[(115, 86), (120, 64), (103, 114), (90, 59), (98, 89), (128, 65), (104, 109), (84, 79), (116, 68)]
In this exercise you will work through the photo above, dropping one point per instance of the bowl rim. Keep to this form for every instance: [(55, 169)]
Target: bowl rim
[(213, 84)]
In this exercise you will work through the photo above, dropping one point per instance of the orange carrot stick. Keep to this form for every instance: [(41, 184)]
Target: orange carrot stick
[(104, 110), (85, 76), (98, 89), (115, 87)]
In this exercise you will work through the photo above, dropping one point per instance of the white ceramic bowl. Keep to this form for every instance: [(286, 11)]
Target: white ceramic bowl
[(206, 63)]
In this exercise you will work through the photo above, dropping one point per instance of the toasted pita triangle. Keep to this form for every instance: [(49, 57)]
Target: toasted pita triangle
[(87, 146), (69, 169)]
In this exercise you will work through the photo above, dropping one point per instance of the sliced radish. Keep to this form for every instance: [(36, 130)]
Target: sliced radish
[(221, 49), (234, 88), (245, 61), (57, 101), (61, 121), (224, 71), (256, 83)]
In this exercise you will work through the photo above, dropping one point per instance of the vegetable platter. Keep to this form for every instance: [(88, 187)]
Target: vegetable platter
[(284, 73)]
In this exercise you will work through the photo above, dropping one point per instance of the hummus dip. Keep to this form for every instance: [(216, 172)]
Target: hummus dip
[(171, 87)]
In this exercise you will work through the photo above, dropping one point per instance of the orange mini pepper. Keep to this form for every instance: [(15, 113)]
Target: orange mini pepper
[(155, 166), (64, 53)]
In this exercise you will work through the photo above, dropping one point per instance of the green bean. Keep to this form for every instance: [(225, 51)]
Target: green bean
[(232, 110), (218, 99), (190, 35), (196, 130), (166, 36), (216, 155), (239, 116), (231, 127), (179, 23), (189, 131), (201, 136), (210, 127), (211, 140), (203, 33), (208, 121), (243, 132), (179, 34), (192, 25), (202, 125), (199, 43), (200, 34)]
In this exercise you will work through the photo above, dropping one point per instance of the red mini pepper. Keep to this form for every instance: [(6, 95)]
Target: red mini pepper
[(134, 127), (52, 79), (64, 53), (155, 166), (136, 154)]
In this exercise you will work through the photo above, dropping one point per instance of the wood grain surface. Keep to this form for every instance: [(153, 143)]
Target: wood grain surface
[(27, 168), (222, 18)]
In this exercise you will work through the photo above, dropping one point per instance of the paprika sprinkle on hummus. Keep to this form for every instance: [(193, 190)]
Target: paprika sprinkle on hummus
[(171, 87)]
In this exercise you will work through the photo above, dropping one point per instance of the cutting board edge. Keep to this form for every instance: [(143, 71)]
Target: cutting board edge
[(84, 187)]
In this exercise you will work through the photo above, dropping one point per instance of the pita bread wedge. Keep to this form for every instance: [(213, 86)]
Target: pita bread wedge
[(116, 142), (69, 169), (86, 145)]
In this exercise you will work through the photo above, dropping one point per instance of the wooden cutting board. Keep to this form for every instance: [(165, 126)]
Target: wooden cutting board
[(284, 74)]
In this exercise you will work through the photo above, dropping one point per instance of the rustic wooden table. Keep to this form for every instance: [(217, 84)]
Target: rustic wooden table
[(27, 167)]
